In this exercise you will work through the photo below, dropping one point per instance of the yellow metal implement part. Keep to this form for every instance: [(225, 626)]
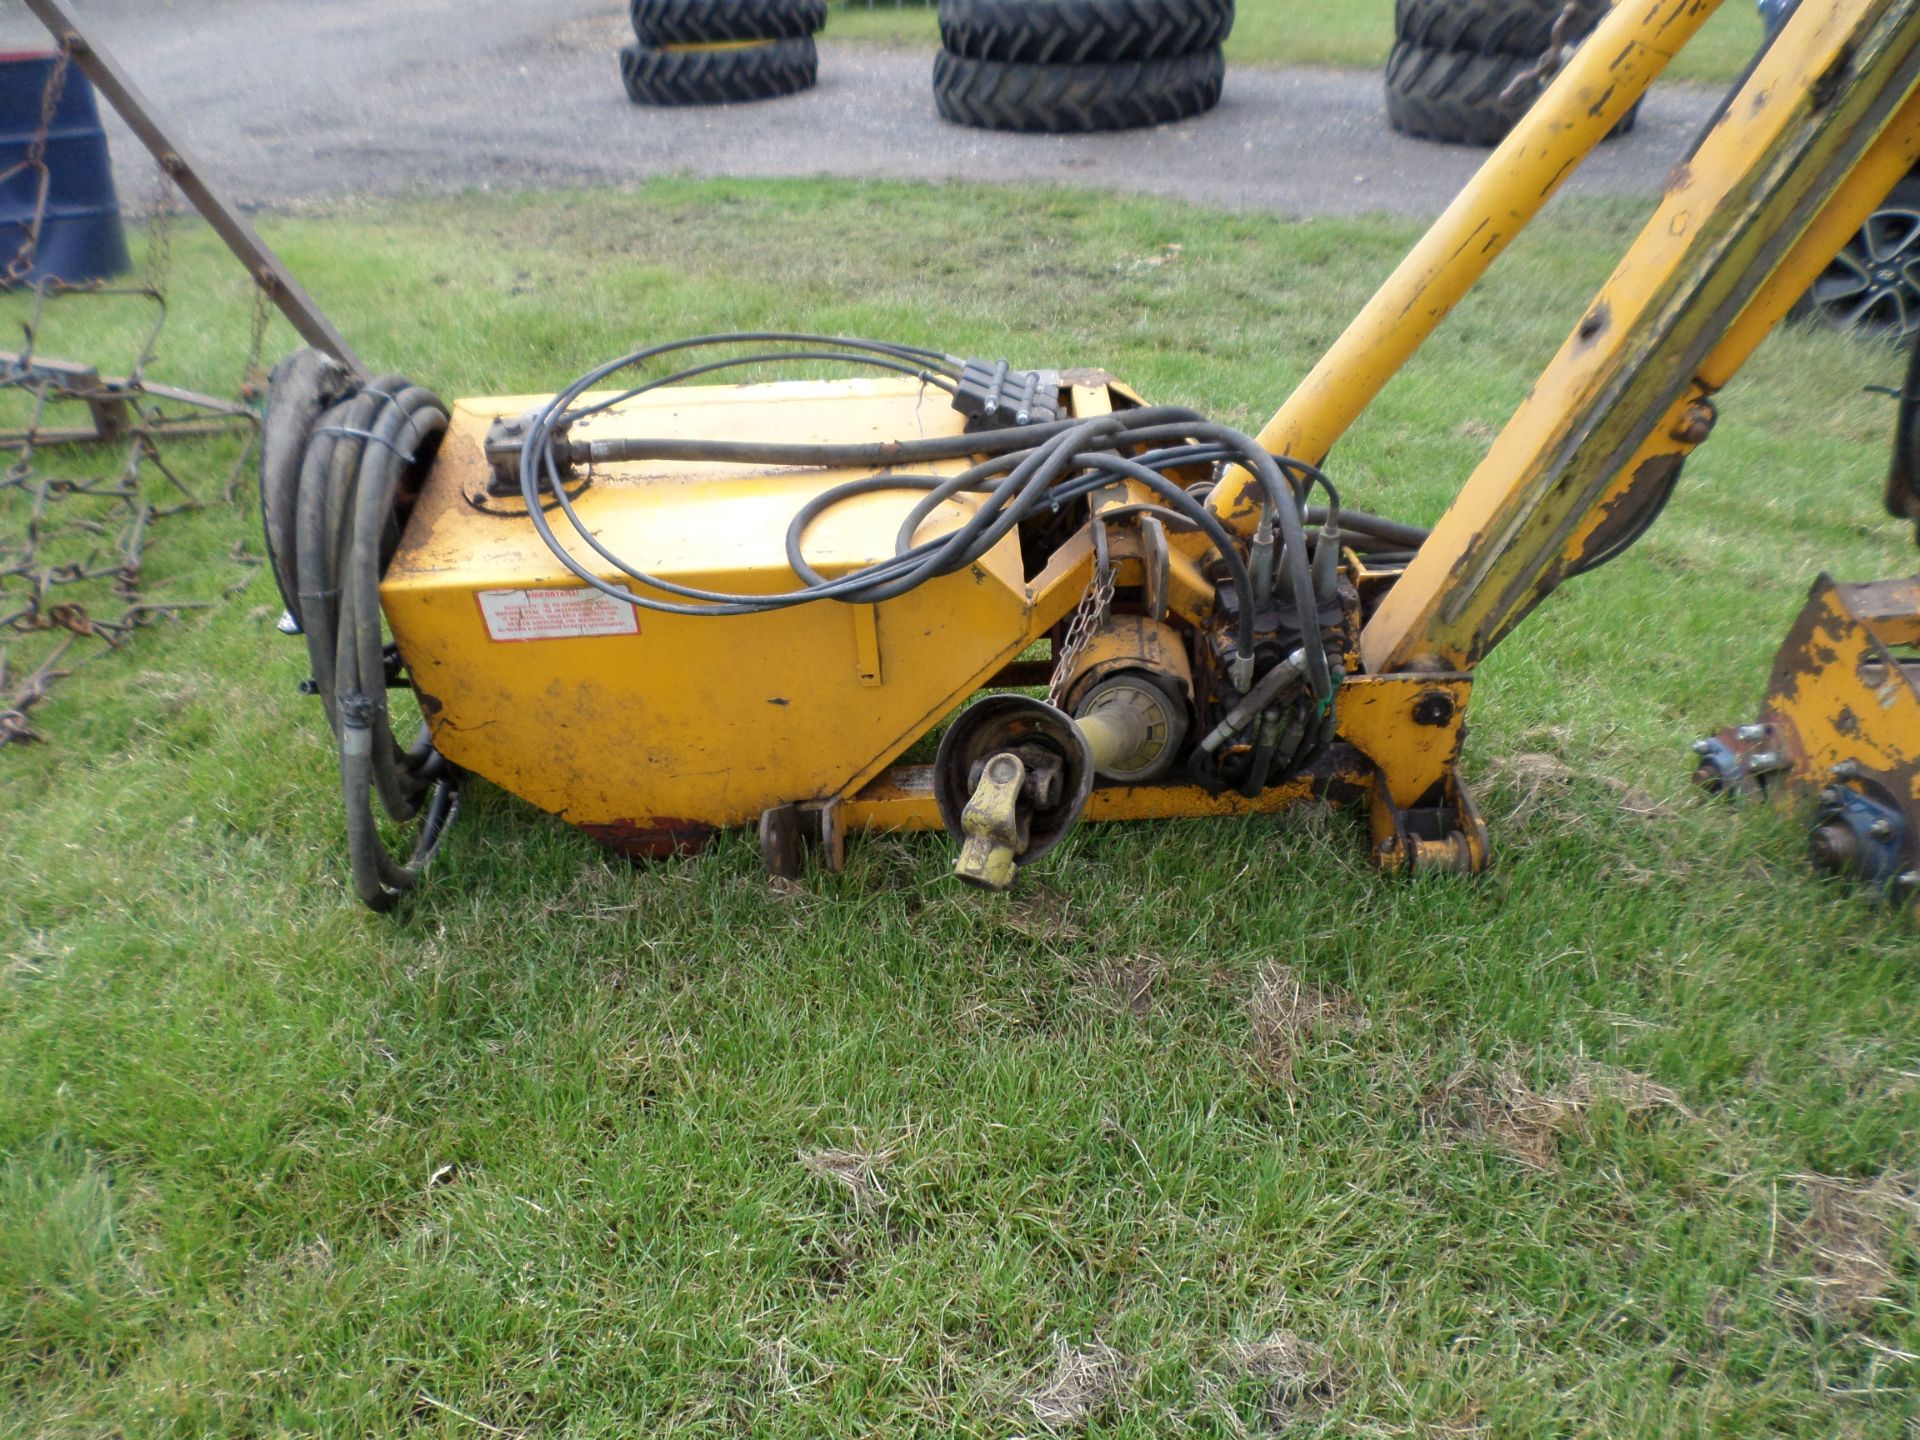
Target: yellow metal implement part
[(1841, 693), (992, 826), (1599, 84), (1841, 723), (902, 797), (1839, 76), (649, 729), (1130, 642), (1408, 725), (1690, 419)]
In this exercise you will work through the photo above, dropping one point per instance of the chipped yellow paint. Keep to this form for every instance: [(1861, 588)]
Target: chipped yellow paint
[(1839, 691), (1408, 725), (1731, 216), (1597, 87)]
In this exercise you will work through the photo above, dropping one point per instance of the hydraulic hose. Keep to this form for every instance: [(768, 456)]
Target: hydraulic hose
[(334, 463), (1028, 470), (1377, 529), (1019, 474)]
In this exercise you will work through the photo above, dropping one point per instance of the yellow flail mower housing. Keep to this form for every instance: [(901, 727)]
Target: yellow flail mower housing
[(660, 605)]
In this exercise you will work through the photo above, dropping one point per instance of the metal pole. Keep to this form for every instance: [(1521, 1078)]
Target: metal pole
[(1600, 83), (266, 268)]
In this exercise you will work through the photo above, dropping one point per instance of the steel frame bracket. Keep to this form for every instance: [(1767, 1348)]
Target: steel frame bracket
[(1840, 725), (1444, 834), (1411, 726), (787, 831)]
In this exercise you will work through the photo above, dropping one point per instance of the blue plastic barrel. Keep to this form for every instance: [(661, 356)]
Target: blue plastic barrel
[(82, 238)]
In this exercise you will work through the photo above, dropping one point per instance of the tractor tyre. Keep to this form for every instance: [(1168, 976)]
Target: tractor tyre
[(1493, 27), (1455, 96), (1058, 99), (659, 23), (721, 75), (1080, 32), (1452, 95)]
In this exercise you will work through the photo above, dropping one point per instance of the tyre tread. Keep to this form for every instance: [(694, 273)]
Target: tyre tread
[(1055, 99), (1078, 32), (1491, 27), (702, 22), (1452, 96), (719, 77)]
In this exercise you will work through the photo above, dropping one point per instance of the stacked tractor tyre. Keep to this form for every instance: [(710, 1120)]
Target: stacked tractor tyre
[(1464, 71), (714, 52), (1077, 65)]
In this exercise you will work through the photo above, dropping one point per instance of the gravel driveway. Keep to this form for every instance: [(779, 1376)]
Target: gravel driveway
[(289, 100)]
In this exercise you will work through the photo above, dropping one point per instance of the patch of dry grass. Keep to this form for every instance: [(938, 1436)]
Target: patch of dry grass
[(1289, 1013), (1498, 1104), (1081, 1383), (1297, 1383), (1845, 1243), (855, 1171)]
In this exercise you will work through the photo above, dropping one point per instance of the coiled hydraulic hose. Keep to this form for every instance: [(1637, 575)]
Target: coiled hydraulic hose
[(335, 461)]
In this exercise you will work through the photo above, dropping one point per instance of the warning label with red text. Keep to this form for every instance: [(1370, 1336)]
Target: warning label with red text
[(555, 614)]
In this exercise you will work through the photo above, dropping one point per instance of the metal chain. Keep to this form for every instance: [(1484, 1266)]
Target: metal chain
[(160, 213), (35, 162), (1537, 77), (1088, 617), (252, 382), (72, 542)]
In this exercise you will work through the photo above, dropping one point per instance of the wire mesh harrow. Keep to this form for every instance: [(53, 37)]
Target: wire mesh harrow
[(83, 476)]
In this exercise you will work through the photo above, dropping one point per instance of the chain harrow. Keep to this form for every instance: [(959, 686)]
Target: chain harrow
[(74, 536)]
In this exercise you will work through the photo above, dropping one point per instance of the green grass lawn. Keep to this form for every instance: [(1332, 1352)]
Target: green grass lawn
[(1208, 1131), (1353, 33)]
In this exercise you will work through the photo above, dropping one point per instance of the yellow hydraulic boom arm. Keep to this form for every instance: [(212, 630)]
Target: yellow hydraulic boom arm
[(1822, 129)]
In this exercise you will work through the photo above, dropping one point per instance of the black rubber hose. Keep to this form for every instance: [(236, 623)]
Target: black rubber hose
[(1014, 500), (1201, 516), (327, 473), (1288, 511), (1260, 767), (302, 387), (405, 428), (537, 460), (914, 563), (948, 364), (1642, 521), (824, 456), (353, 459), (1406, 537)]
